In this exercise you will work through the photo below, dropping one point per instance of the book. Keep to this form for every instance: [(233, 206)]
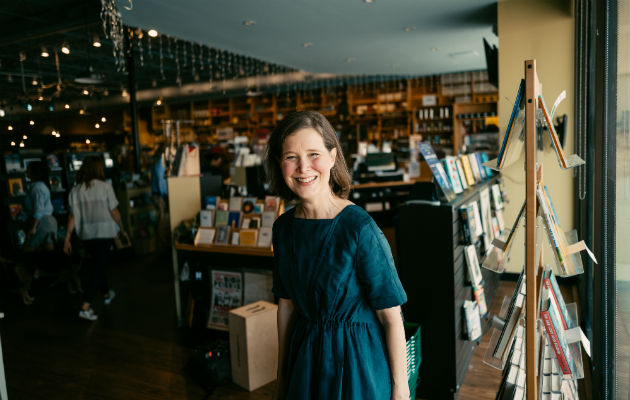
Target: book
[(555, 332), (470, 178), (482, 169), (259, 207), (210, 202), (465, 216), (206, 218), (223, 233), (234, 219), (507, 139), (248, 237), (478, 227), (264, 237), (235, 238), (223, 205), (204, 236), (221, 218), (235, 203), (472, 159), (553, 231), (246, 222), (480, 297), (486, 217), (53, 162), (15, 210), (565, 162), (16, 187), (511, 318), (438, 171), (254, 222), (484, 159), (497, 199), (473, 320), (451, 168), (552, 291), (474, 272), (248, 205), (272, 203), (12, 163), (460, 172), (268, 218)]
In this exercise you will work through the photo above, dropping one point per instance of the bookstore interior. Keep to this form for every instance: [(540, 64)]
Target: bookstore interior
[(489, 142)]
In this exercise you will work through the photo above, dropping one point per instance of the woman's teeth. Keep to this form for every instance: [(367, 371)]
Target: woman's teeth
[(306, 180)]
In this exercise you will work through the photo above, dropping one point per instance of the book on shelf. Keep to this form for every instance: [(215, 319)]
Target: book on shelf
[(486, 218), (438, 171), (221, 218), (248, 205), (550, 290), (272, 203), (259, 207), (210, 202), (473, 320), (234, 219), (497, 198), (468, 222), (12, 163), (235, 241), (223, 234), (551, 318), (16, 187), (223, 205), (235, 204), (206, 218), (554, 233), (451, 168), (474, 272), (472, 159), (468, 173), (480, 298), (254, 222), (505, 245), (565, 162), (482, 169), (477, 217), (509, 133), (15, 210), (461, 173), (264, 237), (500, 220), (248, 237), (204, 235), (484, 159)]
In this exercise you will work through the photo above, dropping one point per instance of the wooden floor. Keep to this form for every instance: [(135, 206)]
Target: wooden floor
[(134, 351)]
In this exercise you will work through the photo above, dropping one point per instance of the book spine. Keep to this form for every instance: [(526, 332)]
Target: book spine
[(463, 213), (550, 228), (555, 342)]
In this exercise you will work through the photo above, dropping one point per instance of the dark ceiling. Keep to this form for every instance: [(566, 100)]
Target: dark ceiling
[(27, 26)]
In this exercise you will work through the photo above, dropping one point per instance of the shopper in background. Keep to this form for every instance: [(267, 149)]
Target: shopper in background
[(42, 234), (340, 328), (94, 215), (159, 190)]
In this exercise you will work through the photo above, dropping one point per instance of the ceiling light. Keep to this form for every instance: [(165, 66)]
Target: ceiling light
[(21, 144), (103, 119), (368, 1), (249, 22), (24, 137), (87, 141), (34, 82), (434, 49), (307, 44), (31, 122), (85, 92), (350, 59), (44, 52), (409, 28), (40, 98), (54, 133), (10, 127), (124, 93), (152, 33), (97, 125), (12, 143), (65, 48), (28, 107), (2, 113), (82, 111), (96, 41), (66, 106), (158, 102)]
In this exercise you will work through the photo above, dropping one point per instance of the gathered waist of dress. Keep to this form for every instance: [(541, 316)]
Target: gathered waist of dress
[(327, 322)]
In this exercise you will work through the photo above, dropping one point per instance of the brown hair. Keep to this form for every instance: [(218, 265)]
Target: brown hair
[(91, 168), (340, 179)]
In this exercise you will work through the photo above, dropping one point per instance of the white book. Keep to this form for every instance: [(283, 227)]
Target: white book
[(264, 237), (206, 218), (268, 218), (461, 173), (235, 203), (477, 216), (473, 266), (451, 170)]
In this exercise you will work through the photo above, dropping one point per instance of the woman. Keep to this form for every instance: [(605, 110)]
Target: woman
[(94, 215), (340, 329), (42, 234)]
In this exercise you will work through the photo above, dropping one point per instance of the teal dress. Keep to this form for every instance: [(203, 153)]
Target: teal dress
[(337, 272)]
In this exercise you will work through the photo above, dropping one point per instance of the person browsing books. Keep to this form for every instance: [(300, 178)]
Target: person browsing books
[(95, 216), (340, 328)]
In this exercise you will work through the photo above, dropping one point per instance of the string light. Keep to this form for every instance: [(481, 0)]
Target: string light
[(24, 137), (10, 127), (97, 125), (31, 122), (12, 143), (87, 141), (103, 119), (21, 144)]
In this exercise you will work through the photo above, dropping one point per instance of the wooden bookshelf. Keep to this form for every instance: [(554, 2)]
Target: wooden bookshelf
[(227, 249)]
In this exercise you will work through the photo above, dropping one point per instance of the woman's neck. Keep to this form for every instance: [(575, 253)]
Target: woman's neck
[(326, 208)]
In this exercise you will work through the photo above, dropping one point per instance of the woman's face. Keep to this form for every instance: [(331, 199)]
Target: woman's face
[(306, 164)]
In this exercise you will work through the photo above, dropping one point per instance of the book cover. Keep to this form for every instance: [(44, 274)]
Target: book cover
[(236, 238), (268, 218), (565, 162), (478, 227), (12, 163), (221, 218), (226, 294), (246, 222), (461, 173), (474, 272), (511, 318), (482, 169), (473, 320), (557, 340), (470, 178), (486, 217), (16, 211), (248, 237), (551, 284), (451, 169), (55, 183), (53, 162), (480, 297), (16, 187), (210, 202), (272, 203), (254, 223), (472, 159), (264, 237), (553, 232), (235, 203), (234, 219), (249, 204), (465, 218), (204, 236), (223, 234), (206, 218), (497, 198), (484, 158), (518, 104), (259, 207), (223, 205), (438, 171)]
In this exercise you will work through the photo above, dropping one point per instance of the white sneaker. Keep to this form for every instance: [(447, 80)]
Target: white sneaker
[(110, 297), (88, 314)]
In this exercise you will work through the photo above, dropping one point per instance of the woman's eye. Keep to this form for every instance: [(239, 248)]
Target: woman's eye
[(289, 158), (314, 154)]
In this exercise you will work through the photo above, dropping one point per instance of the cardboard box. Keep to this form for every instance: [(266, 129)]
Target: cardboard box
[(254, 344)]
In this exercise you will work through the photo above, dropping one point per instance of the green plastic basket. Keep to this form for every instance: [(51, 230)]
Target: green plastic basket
[(412, 334)]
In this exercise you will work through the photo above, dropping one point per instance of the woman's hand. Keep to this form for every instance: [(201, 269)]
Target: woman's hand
[(67, 246), (32, 231), (400, 392)]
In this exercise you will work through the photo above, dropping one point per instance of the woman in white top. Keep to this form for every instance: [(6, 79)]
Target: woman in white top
[(94, 214)]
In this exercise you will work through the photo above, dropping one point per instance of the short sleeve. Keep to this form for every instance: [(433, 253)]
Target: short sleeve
[(376, 270), (278, 288), (112, 201)]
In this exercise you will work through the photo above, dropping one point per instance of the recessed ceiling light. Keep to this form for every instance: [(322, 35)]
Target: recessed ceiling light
[(307, 44), (368, 1), (40, 98), (434, 49), (249, 22), (152, 33), (409, 28)]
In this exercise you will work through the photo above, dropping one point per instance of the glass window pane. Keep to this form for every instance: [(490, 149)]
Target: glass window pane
[(622, 356)]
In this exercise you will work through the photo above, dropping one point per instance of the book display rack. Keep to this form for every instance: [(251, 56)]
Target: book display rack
[(536, 339)]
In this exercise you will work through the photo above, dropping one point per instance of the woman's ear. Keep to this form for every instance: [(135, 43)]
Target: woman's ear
[(333, 154)]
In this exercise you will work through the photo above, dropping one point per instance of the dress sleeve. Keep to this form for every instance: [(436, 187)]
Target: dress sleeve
[(112, 201), (376, 270), (278, 286)]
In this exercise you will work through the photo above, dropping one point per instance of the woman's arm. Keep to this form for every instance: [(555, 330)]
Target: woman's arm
[(67, 246), (391, 320), (116, 217), (286, 313)]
